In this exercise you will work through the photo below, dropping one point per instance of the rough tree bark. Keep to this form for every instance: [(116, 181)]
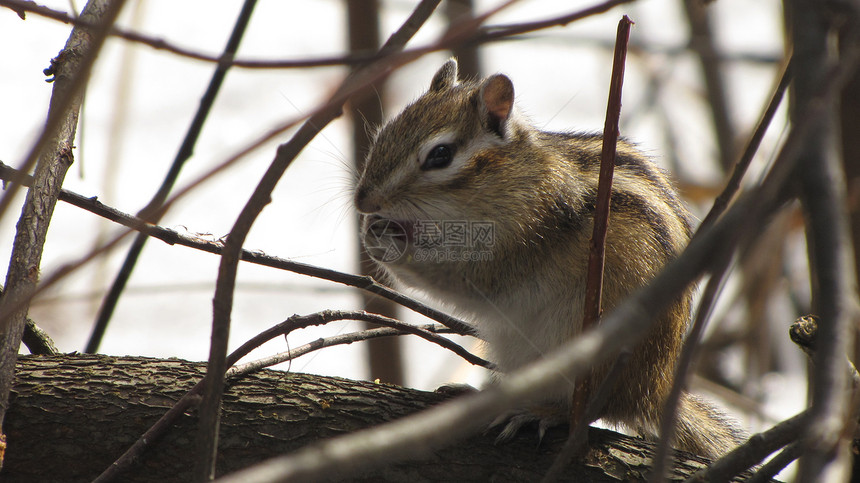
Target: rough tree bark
[(71, 416)]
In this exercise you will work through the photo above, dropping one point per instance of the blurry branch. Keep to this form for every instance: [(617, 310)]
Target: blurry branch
[(642, 48), (192, 397), (173, 237), (185, 152), (668, 423), (758, 447), (720, 268), (821, 184), (53, 150), (776, 464), (804, 333), (476, 36), (702, 43), (495, 32), (468, 60)]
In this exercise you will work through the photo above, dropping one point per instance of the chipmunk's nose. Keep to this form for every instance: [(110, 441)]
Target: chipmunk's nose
[(365, 202)]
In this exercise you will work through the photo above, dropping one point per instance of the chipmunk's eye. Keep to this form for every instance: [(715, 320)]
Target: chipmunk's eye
[(438, 157)]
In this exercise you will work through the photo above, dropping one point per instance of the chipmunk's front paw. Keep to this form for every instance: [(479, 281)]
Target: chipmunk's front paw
[(545, 417)]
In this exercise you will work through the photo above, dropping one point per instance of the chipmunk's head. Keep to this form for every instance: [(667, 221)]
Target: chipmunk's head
[(421, 159)]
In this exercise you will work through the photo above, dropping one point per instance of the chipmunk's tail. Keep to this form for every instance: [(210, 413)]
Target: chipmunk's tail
[(706, 430)]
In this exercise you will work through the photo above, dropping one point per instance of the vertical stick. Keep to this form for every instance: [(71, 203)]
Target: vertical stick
[(594, 281)]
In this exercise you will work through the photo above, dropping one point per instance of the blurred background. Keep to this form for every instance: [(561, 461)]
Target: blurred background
[(697, 79)]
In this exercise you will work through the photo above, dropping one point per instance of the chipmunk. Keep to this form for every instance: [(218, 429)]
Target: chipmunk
[(466, 201)]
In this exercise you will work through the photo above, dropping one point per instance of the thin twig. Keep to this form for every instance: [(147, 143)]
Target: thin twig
[(426, 332), (703, 44), (494, 32), (669, 417), (185, 151), (482, 35), (734, 183), (778, 463), (596, 255), (597, 250)]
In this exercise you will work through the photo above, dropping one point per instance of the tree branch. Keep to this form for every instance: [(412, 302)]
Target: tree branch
[(740, 168), (702, 43)]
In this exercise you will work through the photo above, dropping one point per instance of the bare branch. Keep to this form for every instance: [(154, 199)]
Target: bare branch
[(822, 186), (734, 183), (669, 419), (475, 36), (702, 43), (756, 449)]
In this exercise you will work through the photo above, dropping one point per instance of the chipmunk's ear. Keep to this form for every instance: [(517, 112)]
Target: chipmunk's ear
[(446, 76), (496, 99)]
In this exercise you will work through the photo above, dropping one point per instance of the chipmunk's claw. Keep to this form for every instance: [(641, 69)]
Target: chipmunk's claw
[(515, 420)]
